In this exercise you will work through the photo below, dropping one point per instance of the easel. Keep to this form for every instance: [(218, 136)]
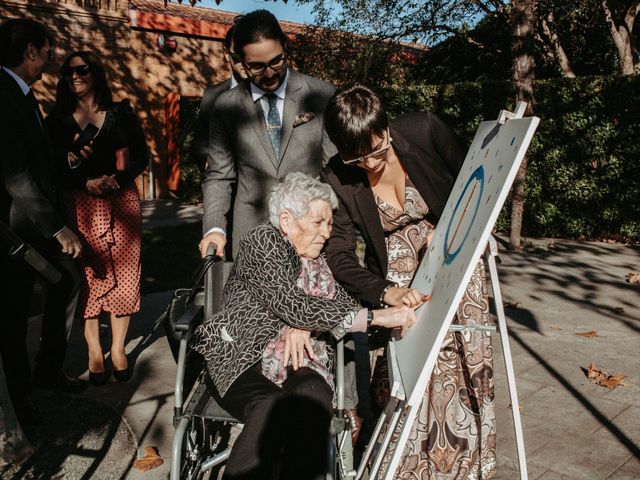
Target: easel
[(390, 418)]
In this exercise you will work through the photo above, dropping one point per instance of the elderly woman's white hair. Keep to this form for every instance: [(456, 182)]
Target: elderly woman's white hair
[(295, 193)]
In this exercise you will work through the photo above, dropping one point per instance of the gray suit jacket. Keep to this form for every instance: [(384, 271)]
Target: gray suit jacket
[(240, 151), (200, 144)]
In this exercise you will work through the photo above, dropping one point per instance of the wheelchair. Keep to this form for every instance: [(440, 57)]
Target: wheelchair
[(201, 442)]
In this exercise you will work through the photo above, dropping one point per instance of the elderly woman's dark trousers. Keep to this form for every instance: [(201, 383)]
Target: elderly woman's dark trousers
[(285, 429)]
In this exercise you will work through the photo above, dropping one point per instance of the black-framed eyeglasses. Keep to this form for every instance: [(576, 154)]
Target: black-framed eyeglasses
[(255, 68), (80, 70), (376, 154)]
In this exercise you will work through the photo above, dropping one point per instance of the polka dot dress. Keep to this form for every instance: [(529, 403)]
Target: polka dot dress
[(111, 230)]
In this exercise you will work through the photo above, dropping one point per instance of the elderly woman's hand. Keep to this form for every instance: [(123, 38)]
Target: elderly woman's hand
[(409, 297), (296, 341), (395, 317)]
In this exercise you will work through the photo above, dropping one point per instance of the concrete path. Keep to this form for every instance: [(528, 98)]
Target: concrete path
[(573, 429)]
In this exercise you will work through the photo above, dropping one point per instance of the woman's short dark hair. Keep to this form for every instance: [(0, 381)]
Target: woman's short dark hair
[(257, 26), (16, 34), (66, 101), (352, 117)]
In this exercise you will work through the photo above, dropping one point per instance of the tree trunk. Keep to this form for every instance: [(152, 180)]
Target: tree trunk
[(622, 34), (523, 17), (14, 446), (558, 51)]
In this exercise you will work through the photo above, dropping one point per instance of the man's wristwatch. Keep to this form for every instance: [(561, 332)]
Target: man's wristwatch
[(369, 317)]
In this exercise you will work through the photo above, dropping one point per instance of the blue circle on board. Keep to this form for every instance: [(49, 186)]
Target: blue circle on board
[(476, 176)]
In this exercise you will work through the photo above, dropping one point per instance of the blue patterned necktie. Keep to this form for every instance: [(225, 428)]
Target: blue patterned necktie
[(274, 125)]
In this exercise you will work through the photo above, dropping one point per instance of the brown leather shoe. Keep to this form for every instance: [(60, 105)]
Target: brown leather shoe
[(355, 424)]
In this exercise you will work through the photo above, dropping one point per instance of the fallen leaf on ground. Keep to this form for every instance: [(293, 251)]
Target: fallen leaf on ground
[(590, 334), (618, 310), (520, 407), (613, 381), (555, 327), (511, 305), (602, 378), (633, 277), (150, 460)]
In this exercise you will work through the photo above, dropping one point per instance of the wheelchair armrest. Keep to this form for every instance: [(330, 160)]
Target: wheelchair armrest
[(191, 317)]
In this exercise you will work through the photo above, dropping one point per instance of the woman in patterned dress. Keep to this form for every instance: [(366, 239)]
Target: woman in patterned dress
[(101, 201), (266, 368), (393, 180)]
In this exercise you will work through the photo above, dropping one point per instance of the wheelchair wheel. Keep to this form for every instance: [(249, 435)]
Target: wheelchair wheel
[(197, 447)]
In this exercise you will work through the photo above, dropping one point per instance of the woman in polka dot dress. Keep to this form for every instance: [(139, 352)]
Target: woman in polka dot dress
[(101, 201)]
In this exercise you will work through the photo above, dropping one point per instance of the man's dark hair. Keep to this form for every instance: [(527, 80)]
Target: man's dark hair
[(228, 38), (16, 34), (66, 100), (352, 117), (257, 26)]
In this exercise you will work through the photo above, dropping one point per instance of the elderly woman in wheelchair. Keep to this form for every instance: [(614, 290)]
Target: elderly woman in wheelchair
[(267, 352)]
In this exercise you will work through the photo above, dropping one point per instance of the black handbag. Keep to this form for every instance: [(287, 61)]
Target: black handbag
[(180, 303)]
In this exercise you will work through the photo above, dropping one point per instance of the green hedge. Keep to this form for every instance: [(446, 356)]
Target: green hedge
[(584, 160)]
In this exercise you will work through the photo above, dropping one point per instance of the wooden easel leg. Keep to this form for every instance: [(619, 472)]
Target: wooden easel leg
[(506, 352)]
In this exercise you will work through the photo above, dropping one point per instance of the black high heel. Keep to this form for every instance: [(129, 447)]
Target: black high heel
[(122, 375), (98, 378)]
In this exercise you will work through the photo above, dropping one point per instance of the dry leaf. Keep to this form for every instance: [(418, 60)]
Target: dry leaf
[(633, 277), (602, 378), (613, 381), (555, 327), (591, 334), (594, 373), (150, 460), (513, 305), (520, 407), (618, 310)]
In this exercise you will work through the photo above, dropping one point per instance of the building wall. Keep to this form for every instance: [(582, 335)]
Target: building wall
[(135, 68)]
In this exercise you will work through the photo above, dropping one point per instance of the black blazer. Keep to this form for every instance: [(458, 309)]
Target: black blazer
[(29, 187), (432, 156), (121, 128)]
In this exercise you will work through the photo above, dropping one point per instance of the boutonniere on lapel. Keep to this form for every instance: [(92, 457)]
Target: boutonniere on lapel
[(303, 118)]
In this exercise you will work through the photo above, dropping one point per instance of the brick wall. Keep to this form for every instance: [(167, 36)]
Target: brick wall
[(135, 68)]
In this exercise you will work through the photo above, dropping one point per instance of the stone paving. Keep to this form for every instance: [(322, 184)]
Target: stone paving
[(573, 429)]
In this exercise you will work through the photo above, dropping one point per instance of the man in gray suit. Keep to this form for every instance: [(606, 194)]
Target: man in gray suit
[(267, 127), (211, 93)]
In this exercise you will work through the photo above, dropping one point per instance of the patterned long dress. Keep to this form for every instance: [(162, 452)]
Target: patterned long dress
[(453, 436)]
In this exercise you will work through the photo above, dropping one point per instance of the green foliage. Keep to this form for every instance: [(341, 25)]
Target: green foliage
[(584, 161), (191, 171), (344, 59)]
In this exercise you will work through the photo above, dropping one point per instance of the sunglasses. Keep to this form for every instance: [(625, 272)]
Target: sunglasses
[(375, 154), (80, 70)]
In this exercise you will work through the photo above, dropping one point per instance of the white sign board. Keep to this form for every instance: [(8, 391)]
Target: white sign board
[(459, 240)]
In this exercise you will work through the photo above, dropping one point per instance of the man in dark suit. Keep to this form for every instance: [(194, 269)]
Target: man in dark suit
[(267, 127), (29, 204)]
